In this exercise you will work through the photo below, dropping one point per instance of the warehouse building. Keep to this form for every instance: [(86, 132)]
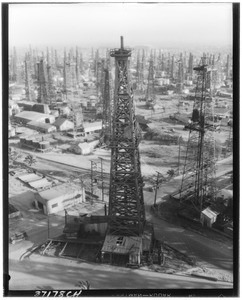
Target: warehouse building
[(89, 128), (42, 127), (28, 116), (59, 198), (33, 106)]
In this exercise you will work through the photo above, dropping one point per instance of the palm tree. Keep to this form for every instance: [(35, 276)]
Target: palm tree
[(30, 160), (171, 173)]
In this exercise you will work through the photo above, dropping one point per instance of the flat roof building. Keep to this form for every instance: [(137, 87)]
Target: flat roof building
[(42, 127), (28, 116), (59, 198)]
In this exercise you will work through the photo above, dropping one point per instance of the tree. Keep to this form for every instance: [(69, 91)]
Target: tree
[(30, 160), (171, 173)]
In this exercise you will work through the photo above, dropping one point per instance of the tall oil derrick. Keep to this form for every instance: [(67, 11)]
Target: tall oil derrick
[(138, 73), (106, 117), (162, 62), (28, 81), (172, 69), (50, 83), (65, 73), (99, 76), (219, 71), (190, 66), (14, 65), (96, 64), (43, 92), (81, 64), (126, 203), (35, 69), (180, 75), (150, 90), (77, 66), (56, 62), (69, 74), (52, 55), (198, 184), (227, 70)]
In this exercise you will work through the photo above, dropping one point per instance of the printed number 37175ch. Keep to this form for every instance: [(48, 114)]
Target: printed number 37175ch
[(58, 293)]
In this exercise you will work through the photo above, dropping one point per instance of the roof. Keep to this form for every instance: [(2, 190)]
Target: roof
[(221, 110), (84, 146), (31, 103), (29, 177), (209, 213), (40, 183), (92, 126), (60, 121), (40, 124), (58, 191), (122, 244), (32, 115), (226, 193)]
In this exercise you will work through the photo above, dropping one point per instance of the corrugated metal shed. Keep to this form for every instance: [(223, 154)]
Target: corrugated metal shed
[(209, 213), (122, 244)]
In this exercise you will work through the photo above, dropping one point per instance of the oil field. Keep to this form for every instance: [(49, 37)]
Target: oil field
[(120, 167)]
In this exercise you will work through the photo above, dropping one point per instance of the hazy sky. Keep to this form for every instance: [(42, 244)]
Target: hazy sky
[(101, 24)]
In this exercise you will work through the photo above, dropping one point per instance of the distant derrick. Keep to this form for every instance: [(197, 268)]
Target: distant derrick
[(150, 90), (43, 91), (198, 181)]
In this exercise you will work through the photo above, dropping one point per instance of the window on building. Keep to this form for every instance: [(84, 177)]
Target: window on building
[(54, 205), (119, 240)]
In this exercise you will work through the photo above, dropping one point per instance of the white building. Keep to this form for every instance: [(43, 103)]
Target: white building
[(63, 124), (59, 198)]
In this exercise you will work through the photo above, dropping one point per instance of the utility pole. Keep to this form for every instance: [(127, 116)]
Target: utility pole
[(93, 167), (48, 226), (179, 153), (102, 178), (156, 186)]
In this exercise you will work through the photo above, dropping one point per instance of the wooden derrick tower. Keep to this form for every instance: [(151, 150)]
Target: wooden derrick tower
[(106, 103), (126, 203), (198, 181), (14, 65), (28, 81), (150, 90), (43, 91)]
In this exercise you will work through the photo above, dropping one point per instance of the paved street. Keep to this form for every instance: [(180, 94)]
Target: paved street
[(41, 272)]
